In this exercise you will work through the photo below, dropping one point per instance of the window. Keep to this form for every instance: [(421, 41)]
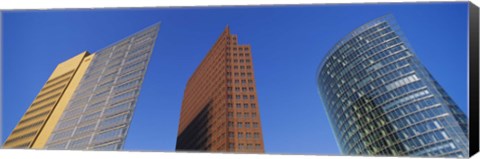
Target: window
[(245, 106), (230, 124), (117, 109), (90, 116), (246, 115), (237, 96), (256, 135), (96, 105), (245, 97), (244, 89), (237, 89), (248, 135), (255, 125), (80, 143), (59, 146), (253, 105), (257, 146), (108, 135), (252, 97), (84, 129), (254, 115), (240, 146), (231, 135), (106, 84), (247, 125), (250, 89), (101, 93), (239, 115), (239, 125), (117, 120), (229, 105), (240, 135), (68, 123), (231, 146), (126, 77), (61, 135), (230, 114), (133, 66), (123, 96), (72, 112)]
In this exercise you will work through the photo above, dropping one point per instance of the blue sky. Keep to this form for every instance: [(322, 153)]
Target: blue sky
[(288, 43)]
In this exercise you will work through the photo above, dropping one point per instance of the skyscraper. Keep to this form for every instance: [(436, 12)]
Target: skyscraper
[(88, 101), (220, 109), (381, 100), (44, 113)]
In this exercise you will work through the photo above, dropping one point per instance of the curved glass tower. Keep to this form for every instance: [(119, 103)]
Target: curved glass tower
[(381, 101)]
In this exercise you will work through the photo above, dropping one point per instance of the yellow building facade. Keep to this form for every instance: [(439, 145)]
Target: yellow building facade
[(38, 122), (88, 101)]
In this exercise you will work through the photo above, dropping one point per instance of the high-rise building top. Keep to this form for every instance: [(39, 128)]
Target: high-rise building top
[(382, 101), (99, 114), (91, 105), (220, 109)]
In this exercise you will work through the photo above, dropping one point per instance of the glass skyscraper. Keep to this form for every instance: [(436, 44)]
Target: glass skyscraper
[(381, 100), (99, 114)]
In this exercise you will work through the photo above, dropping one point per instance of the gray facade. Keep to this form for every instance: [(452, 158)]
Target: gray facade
[(99, 114), (381, 100)]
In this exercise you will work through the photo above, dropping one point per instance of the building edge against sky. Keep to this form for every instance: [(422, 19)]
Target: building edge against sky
[(220, 109), (37, 123), (380, 100), (100, 112), (64, 115)]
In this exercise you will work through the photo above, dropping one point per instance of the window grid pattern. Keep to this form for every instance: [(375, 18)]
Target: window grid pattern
[(220, 108), (381, 101), (100, 111)]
